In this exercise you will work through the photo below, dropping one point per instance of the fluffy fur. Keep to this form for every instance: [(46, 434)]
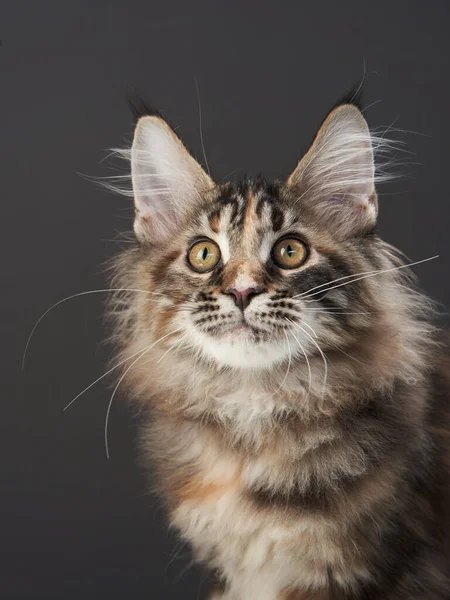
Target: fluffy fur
[(301, 445)]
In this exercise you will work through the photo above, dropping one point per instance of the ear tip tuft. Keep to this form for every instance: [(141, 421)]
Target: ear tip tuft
[(140, 107), (353, 97)]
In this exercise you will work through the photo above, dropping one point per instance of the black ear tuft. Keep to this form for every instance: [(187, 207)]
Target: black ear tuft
[(353, 96), (140, 107)]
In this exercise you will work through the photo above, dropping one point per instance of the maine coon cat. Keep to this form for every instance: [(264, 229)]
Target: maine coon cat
[(295, 391)]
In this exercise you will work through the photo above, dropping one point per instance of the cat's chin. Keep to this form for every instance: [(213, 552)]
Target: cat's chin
[(240, 348), (241, 330)]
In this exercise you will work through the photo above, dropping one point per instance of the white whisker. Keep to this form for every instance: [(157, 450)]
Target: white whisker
[(200, 126), (108, 410), (100, 378), (310, 328), (289, 364), (177, 344), (307, 362), (142, 353), (336, 311), (324, 358), (76, 296), (364, 275), (350, 356)]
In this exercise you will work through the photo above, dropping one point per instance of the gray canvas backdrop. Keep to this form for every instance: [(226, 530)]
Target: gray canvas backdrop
[(74, 524)]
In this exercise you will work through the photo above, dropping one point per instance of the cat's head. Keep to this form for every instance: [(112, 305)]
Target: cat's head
[(253, 274)]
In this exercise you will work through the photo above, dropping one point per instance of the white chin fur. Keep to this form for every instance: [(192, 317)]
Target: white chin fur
[(240, 351)]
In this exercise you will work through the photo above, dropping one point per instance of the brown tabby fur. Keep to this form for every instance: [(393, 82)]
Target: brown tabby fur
[(289, 489)]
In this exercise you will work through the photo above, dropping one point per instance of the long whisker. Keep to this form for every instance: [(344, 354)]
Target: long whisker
[(289, 364), (177, 344), (325, 309), (142, 353), (337, 312), (307, 362), (200, 126), (361, 83), (324, 358), (364, 275), (349, 356), (310, 328), (101, 377), (108, 410), (76, 296)]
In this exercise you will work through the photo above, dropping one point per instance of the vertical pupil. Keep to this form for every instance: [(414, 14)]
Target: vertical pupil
[(290, 250), (204, 253)]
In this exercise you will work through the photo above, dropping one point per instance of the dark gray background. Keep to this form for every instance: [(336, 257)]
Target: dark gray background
[(76, 525)]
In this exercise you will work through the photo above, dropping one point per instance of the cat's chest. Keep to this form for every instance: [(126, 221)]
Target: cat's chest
[(215, 511), (245, 410)]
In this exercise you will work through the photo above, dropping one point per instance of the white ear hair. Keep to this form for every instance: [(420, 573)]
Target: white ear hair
[(167, 181), (337, 175)]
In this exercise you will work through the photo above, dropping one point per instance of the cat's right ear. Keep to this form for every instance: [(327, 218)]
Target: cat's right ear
[(167, 180)]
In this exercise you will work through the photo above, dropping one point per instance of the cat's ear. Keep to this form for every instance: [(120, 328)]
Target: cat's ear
[(167, 181), (336, 177)]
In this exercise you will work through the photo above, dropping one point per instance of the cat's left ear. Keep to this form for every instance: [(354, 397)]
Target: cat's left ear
[(167, 180), (336, 178)]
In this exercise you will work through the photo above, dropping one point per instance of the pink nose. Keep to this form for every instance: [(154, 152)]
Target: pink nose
[(242, 298)]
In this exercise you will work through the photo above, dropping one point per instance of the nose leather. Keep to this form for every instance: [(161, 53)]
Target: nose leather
[(242, 298)]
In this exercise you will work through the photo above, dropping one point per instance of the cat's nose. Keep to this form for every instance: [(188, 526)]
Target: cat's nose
[(242, 298)]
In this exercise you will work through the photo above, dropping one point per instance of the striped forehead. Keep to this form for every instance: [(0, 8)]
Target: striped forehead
[(246, 214)]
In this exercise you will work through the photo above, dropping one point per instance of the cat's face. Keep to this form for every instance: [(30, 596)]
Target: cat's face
[(245, 278), (243, 272)]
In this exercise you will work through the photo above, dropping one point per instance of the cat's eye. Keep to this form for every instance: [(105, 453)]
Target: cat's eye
[(289, 253), (203, 256)]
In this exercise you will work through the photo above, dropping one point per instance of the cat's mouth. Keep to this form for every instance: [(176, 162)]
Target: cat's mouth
[(242, 329)]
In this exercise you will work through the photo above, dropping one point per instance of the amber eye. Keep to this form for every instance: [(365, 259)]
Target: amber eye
[(203, 256), (289, 253)]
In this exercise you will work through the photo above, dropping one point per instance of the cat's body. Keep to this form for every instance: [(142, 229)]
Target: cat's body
[(307, 505), (297, 395)]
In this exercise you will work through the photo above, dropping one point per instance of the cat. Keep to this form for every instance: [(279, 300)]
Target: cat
[(293, 387)]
